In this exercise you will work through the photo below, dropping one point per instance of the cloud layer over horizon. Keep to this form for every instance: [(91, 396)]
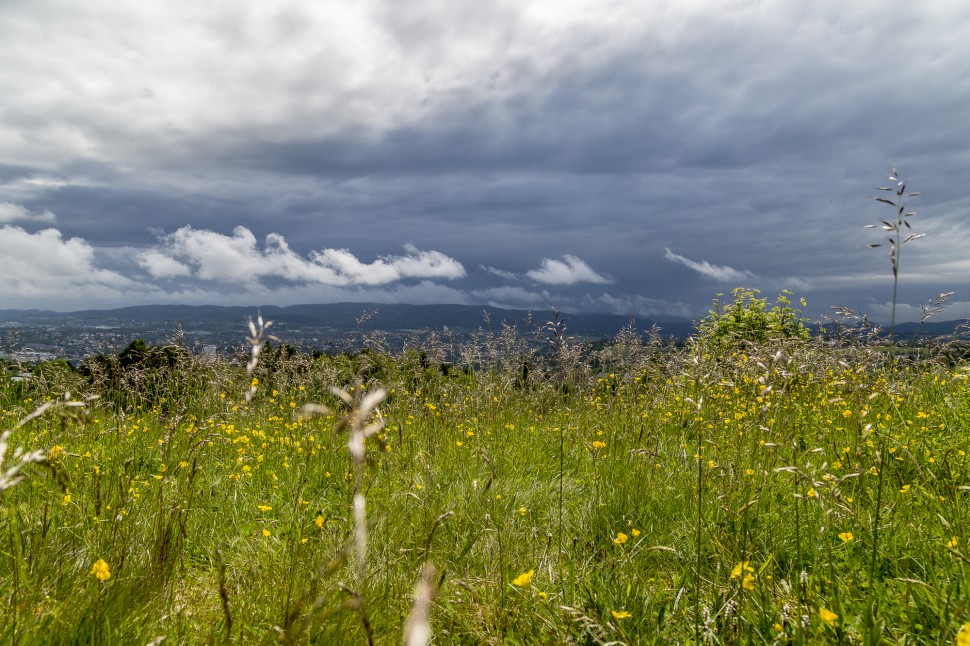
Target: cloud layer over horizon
[(629, 157)]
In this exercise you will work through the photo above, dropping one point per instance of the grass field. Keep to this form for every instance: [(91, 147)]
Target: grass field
[(786, 491)]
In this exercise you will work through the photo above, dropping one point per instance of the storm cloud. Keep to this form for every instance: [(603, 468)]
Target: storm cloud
[(629, 157)]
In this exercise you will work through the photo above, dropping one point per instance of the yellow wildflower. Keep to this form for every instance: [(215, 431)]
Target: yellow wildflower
[(264, 508), (953, 542), (100, 570), (846, 536), (620, 614), (740, 569), (599, 445), (266, 532), (523, 579), (621, 538), (827, 616), (963, 637), (319, 521)]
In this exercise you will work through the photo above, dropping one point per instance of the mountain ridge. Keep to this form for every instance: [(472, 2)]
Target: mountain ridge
[(400, 317), (346, 316)]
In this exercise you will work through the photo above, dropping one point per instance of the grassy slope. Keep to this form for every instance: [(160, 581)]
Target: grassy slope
[(595, 487)]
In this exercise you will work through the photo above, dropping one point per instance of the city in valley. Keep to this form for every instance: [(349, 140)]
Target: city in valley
[(33, 336)]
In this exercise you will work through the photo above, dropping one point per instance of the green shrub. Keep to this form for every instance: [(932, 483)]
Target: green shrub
[(749, 319)]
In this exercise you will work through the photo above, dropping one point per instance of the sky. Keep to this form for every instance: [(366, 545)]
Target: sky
[(633, 157)]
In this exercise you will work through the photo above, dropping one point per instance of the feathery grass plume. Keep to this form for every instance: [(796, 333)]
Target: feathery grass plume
[(417, 628), (257, 341), (66, 410), (895, 227), (929, 310), (13, 474), (362, 408), (566, 352)]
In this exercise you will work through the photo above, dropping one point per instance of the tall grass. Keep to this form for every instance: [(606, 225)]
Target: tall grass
[(657, 495)]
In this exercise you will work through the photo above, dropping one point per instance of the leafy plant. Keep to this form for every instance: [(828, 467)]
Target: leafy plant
[(749, 319)]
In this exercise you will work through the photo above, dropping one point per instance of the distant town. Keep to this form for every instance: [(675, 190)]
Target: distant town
[(75, 340), (33, 336), (36, 336)]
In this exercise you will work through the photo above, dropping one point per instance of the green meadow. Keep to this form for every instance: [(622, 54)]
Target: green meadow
[(760, 485)]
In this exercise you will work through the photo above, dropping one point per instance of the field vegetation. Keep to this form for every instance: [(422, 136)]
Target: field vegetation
[(757, 486)]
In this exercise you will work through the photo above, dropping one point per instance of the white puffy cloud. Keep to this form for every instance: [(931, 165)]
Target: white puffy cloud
[(10, 212), (568, 271), (210, 255), (161, 266), (44, 267)]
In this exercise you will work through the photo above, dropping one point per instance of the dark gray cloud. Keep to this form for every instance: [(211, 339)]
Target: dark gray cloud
[(632, 157)]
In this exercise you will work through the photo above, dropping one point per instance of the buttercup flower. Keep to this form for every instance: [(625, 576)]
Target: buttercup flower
[(963, 637), (740, 569), (523, 579), (827, 616), (100, 570)]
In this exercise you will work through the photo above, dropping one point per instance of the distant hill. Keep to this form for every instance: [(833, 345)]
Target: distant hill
[(344, 316), (905, 331)]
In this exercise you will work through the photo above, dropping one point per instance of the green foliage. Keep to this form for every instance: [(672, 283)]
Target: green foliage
[(749, 319), (148, 376)]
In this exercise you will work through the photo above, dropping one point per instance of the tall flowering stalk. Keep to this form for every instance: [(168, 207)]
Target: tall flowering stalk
[(362, 408), (896, 227), (12, 474), (257, 341)]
